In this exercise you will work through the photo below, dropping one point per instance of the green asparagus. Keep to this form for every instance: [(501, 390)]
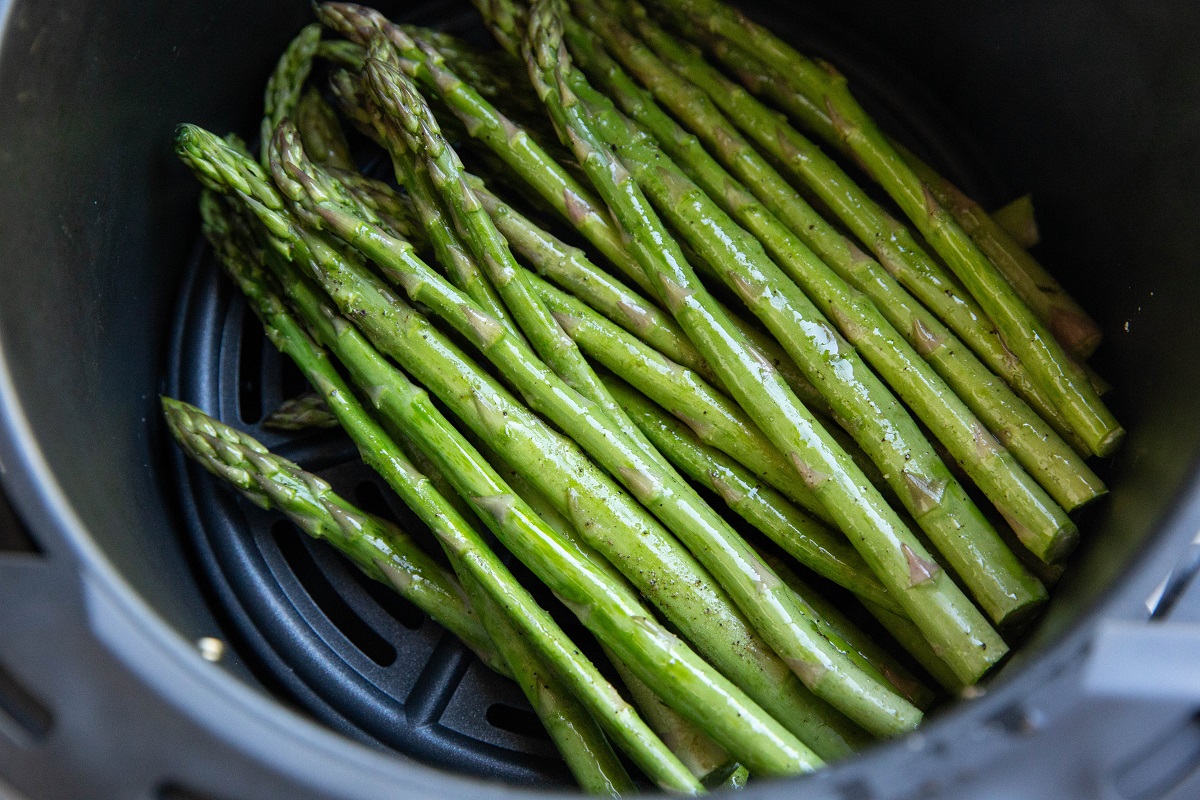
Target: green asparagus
[(667, 495), (286, 83), (896, 248), (301, 413), (617, 525), (321, 132), (880, 425), (900, 561), (377, 547), (1052, 371), (1029, 439), (805, 539)]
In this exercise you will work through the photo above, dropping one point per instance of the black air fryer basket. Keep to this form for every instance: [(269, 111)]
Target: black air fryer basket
[(161, 639)]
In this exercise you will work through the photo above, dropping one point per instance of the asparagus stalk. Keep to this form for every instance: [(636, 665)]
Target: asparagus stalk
[(880, 425), (615, 524), (387, 554), (322, 133), (483, 121), (716, 420), (606, 606), (283, 90), (376, 200), (896, 248), (703, 757), (911, 639), (668, 496), (888, 547), (803, 538), (1051, 369), (579, 739), (461, 266), (342, 53), (570, 269), (608, 609), (1030, 440)]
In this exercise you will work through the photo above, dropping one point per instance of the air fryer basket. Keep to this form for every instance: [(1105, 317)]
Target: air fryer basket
[(133, 556)]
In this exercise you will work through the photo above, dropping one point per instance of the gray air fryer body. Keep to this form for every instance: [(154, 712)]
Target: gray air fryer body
[(113, 562)]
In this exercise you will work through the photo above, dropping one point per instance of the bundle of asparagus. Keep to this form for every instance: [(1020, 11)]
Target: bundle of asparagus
[(663, 462)]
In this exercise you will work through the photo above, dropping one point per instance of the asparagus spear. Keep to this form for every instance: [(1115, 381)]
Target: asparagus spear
[(470, 557), (668, 496), (322, 133), (805, 539), (715, 419), (579, 739), (462, 267), (287, 81), (1070, 324), (842, 630), (1003, 235), (376, 200), (386, 553), (1030, 440), (554, 184), (574, 731), (699, 753), (1051, 369), (897, 250), (616, 525), (880, 425), (301, 413), (570, 269), (608, 609), (401, 101), (484, 122), (379, 548), (900, 561)]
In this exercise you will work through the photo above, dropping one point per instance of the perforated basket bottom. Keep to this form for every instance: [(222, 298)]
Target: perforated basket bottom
[(316, 631)]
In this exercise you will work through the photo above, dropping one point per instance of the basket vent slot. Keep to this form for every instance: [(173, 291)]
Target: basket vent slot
[(174, 791), (250, 361), (290, 542), (22, 716), (521, 721)]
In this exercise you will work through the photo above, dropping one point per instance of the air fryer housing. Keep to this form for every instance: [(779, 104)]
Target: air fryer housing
[(1092, 106)]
